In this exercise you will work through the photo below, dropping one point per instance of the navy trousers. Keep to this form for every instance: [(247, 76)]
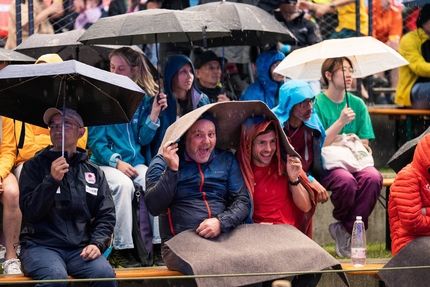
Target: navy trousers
[(49, 263)]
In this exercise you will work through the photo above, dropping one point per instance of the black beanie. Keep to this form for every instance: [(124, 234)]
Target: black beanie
[(424, 16)]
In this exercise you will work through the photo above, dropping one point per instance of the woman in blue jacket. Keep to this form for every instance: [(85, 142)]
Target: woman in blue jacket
[(182, 93), (117, 149)]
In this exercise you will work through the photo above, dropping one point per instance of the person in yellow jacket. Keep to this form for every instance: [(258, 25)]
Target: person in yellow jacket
[(9, 196), (30, 138), (414, 79)]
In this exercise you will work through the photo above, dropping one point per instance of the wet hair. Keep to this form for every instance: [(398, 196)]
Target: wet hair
[(269, 128), (423, 16), (330, 65), (143, 75)]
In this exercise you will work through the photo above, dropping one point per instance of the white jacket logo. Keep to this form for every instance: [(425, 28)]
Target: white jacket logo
[(90, 177)]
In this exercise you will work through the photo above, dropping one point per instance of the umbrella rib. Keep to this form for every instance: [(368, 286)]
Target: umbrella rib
[(103, 92), (20, 83)]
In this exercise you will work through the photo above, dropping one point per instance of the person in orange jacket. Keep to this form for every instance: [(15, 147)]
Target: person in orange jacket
[(387, 28)]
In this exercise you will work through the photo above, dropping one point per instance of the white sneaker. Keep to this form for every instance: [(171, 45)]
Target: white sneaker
[(12, 266)]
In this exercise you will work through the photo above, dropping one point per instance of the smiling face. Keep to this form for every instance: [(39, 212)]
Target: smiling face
[(263, 149), (200, 140)]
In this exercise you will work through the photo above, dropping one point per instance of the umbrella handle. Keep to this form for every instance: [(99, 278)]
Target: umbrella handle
[(205, 39)]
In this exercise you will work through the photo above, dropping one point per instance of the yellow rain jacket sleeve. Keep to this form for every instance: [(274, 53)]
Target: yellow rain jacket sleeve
[(37, 138), (7, 147), (410, 49)]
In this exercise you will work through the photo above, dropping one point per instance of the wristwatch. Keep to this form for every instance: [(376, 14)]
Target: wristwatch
[(332, 5), (294, 183)]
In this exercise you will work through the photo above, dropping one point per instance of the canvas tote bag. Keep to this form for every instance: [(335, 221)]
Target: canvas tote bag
[(347, 152)]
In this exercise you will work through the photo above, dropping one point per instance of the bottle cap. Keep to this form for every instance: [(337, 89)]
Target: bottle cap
[(358, 218)]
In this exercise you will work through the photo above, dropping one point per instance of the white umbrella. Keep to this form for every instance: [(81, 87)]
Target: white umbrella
[(368, 55)]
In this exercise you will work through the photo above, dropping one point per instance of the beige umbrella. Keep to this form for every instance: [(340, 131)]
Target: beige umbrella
[(368, 55), (229, 116)]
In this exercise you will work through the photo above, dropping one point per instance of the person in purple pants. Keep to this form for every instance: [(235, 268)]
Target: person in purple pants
[(341, 112)]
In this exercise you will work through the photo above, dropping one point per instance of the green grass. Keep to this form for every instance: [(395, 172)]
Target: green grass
[(374, 250)]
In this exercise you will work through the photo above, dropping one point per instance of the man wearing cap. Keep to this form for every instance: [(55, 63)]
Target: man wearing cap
[(31, 138), (208, 67), (193, 185), (67, 207)]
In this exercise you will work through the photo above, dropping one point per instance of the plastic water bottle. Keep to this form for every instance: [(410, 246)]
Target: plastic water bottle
[(358, 243)]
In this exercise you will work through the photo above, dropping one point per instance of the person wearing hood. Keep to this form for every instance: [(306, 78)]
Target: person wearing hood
[(303, 128), (183, 96), (414, 79), (409, 202), (279, 189), (266, 87)]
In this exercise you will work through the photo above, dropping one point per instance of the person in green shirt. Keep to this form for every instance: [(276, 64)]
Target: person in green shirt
[(341, 112)]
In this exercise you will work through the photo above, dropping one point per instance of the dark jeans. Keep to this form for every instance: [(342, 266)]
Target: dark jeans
[(48, 263)]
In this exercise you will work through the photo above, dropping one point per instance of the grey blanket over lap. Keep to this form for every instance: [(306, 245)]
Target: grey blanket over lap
[(415, 253), (251, 248)]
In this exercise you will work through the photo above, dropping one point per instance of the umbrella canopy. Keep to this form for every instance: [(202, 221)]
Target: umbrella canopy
[(368, 55), (66, 45), (405, 153), (415, 3), (100, 97), (229, 116), (16, 57), (249, 25), (154, 26)]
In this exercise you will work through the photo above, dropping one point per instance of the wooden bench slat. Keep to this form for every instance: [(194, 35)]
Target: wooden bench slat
[(388, 181), (120, 273), (400, 112)]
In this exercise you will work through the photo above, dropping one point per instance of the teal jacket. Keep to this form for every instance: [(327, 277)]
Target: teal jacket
[(124, 141)]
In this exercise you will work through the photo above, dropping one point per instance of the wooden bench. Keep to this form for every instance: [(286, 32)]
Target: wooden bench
[(121, 273), (370, 269), (399, 113)]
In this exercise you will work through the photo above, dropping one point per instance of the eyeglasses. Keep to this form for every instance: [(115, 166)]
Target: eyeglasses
[(349, 70), (307, 103), (67, 126)]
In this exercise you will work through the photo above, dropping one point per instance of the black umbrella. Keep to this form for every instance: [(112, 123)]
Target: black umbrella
[(100, 97), (66, 45), (154, 26), (249, 25), (15, 57), (405, 153)]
